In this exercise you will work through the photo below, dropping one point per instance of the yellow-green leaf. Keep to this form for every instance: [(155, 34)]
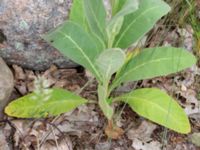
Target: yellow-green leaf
[(52, 102), (158, 107)]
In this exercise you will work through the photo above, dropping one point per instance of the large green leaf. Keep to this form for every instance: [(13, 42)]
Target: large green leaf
[(109, 61), (158, 107), (96, 17), (153, 62), (138, 23), (79, 14), (76, 44), (52, 103), (114, 25)]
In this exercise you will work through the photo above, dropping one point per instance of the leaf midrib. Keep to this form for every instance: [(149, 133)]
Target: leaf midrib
[(96, 20), (82, 52), (149, 62), (156, 105), (129, 26), (55, 102)]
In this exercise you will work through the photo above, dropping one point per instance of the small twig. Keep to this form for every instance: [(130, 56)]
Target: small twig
[(60, 132), (56, 141), (124, 105), (85, 85), (38, 144), (92, 102), (11, 133), (45, 137)]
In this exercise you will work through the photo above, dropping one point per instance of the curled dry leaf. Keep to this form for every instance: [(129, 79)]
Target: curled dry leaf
[(22, 129), (3, 142), (78, 122), (187, 36), (150, 145), (143, 132), (141, 137), (190, 104), (195, 119), (62, 144), (113, 131), (19, 73)]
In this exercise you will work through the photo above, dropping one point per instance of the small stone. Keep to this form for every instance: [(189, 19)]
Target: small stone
[(195, 139), (183, 87), (6, 85)]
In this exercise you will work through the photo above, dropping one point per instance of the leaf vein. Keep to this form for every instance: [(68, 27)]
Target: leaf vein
[(82, 52), (129, 26)]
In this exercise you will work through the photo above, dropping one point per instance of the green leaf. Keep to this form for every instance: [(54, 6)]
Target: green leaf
[(154, 62), (109, 61), (96, 17), (117, 5), (104, 103), (128, 7), (114, 25), (52, 103), (138, 23), (75, 43), (158, 107), (77, 13)]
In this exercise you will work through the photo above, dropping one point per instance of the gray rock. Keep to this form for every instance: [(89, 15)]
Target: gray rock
[(22, 22), (6, 85)]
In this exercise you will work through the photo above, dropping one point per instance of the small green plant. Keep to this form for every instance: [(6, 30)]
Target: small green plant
[(98, 43)]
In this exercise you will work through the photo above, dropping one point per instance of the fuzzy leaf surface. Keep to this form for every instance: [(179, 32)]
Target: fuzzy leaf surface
[(138, 23), (40, 106), (158, 107), (128, 7), (104, 103), (117, 5), (114, 25), (96, 17), (109, 61), (154, 62), (77, 13), (75, 43)]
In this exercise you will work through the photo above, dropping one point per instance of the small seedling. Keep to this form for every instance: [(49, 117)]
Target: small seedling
[(98, 42)]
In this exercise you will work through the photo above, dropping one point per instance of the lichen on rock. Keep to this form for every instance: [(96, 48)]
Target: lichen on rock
[(22, 23)]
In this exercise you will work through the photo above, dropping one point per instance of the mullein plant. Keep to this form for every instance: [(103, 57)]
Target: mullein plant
[(99, 43)]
